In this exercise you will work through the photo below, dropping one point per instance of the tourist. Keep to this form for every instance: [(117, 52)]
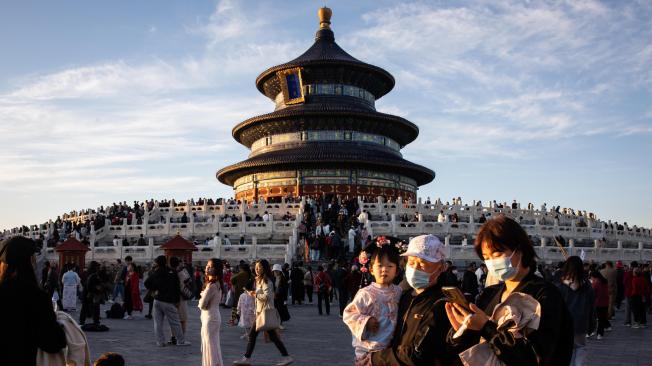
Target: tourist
[(118, 281), (371, 316), (185, 292), (609, 272), (339, 282), (238, 282), (92, 295), (132, 292), (52, 285), (110, 359), (165, 284), (149, 295), (280, 293), (422, 326), (246, 309), (601, 302), (469, 284), (353, 281), (296, 284), (324, 287), (510, 257), (579, 298), (26, 314), (209, 304), (71, 283), (264, 295), (198, 281), (308, 283), (639, 296)]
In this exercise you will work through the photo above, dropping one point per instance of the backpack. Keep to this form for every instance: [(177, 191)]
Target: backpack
[(116, 312)]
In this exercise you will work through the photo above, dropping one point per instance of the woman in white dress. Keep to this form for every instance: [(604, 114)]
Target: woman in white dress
[(71, 282), (209, 303)]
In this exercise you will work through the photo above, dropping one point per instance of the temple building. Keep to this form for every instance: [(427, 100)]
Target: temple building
[(325, 135)]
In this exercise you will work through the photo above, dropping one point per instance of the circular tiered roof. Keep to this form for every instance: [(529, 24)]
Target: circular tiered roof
[(325, 64), (326, 60)]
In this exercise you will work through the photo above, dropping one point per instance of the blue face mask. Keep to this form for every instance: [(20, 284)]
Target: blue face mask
[(501, 268), (416, 278)]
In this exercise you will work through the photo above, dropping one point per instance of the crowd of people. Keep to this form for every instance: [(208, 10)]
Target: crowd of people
[(398, 298)]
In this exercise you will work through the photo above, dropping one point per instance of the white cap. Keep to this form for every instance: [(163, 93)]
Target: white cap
[(427, 247), (277, 267)]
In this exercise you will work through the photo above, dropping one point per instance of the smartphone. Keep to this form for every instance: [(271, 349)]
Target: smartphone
[(454, 295)]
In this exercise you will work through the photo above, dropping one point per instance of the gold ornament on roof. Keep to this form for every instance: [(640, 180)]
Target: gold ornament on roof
[(324, 15)]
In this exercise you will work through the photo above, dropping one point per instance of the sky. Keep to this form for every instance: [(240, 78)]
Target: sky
[(537, 101)]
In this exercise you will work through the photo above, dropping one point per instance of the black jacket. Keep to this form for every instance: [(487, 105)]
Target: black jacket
[(420, 335), (165, 283), (550, 345), (28, 323)]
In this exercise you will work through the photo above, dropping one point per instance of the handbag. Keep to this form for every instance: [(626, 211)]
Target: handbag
[(268, 319)]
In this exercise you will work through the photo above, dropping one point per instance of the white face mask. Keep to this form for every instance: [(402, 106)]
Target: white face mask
[(501, 267)]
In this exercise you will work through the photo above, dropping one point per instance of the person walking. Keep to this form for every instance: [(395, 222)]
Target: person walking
[(324, 286), (639, 295), (339, 283), (609, 272), (308, 283), (578, 295), (209, 304), (71, 283), (165, 283), (601, 291), (26, 314), (296, 284), (132, 299), (264, 294), (280, 294)]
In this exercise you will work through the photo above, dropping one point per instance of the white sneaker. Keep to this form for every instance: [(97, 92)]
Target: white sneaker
[(285, 360), (599, 337), (635, 326), (181, 344), (608, 329), (245, 361)]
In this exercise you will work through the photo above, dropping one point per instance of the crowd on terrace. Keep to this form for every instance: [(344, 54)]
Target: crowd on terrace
[(331, 213)]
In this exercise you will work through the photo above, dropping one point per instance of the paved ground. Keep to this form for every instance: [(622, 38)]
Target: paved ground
[(315, 340)]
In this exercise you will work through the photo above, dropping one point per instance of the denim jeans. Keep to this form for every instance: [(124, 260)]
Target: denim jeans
[(119, 289)]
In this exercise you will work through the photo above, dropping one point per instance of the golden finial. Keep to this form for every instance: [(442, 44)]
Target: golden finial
[(324, 15)]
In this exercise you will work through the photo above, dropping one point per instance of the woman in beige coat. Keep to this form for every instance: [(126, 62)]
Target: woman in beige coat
[(264, 295)]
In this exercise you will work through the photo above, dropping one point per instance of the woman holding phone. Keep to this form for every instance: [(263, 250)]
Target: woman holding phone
[(509, 255)]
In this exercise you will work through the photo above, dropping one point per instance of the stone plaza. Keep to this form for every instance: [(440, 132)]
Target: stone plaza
[(314, 340)]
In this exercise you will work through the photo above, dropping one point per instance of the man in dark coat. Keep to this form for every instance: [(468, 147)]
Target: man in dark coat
[(165, 282)]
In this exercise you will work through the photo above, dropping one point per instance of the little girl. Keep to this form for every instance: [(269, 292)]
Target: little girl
[(246, 310), (371, 315)]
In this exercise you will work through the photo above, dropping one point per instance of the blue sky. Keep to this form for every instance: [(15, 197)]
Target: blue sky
[(535, 101)]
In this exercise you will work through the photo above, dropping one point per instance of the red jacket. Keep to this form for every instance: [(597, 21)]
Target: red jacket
[(323, 277), (627, 283), (601, 293), (640, 286)]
